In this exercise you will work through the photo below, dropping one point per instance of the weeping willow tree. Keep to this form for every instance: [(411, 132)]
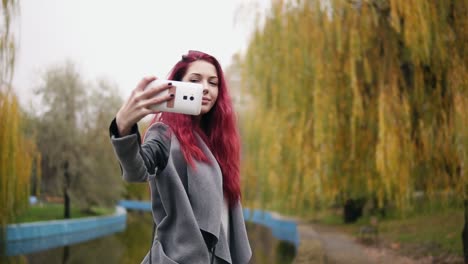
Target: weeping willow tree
[(18, 154), (356, 99), (18, 157)]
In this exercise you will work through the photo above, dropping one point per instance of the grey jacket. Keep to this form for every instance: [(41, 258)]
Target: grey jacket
[(186, 201)]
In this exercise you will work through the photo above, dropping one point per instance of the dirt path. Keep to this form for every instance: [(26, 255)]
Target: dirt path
[(340, 248), (324, 245), (310, 247)]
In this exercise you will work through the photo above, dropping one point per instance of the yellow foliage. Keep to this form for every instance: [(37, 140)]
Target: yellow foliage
[(17, 156), (17, 153), (364, 99)]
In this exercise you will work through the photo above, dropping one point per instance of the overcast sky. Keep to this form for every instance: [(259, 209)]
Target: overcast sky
[(123, 40)]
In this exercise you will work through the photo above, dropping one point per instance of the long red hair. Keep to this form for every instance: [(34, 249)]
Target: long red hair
[(217, 128)]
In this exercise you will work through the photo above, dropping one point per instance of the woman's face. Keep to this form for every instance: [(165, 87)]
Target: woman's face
[(203, 72)]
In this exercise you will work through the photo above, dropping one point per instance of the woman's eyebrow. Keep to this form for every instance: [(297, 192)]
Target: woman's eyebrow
[(197, 74), (200, 75)]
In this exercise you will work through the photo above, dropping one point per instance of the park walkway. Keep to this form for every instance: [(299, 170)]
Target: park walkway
[(324, 245)]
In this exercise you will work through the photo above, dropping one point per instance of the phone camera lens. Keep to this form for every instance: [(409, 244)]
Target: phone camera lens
[(192, 98), (185, 97)]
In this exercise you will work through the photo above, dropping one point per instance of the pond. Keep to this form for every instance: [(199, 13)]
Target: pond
[(131, 245)]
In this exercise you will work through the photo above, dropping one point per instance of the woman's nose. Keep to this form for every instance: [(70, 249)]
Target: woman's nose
[(205, 88)]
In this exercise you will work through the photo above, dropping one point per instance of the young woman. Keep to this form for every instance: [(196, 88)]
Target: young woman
[(192, 166)]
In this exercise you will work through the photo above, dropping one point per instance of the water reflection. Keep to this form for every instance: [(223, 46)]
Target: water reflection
[(267, 249), (131, 245)]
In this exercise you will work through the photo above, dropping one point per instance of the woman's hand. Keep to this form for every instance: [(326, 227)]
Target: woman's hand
[(138, 104)]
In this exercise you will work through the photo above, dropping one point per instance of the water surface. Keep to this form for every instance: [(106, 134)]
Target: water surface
[(131, 245)]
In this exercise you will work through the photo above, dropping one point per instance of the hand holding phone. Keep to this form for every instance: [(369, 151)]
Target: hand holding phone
[(187, 97)]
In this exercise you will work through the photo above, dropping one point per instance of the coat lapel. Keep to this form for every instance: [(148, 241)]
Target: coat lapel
[(205, 190)]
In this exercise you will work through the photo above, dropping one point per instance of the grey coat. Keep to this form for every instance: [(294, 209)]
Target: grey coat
[(186, 201)]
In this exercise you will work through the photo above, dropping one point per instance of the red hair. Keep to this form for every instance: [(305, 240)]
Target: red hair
[(217, 128)]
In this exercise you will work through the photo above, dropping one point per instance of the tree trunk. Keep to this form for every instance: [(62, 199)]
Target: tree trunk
[(465, 232), (66, 197), (352, 210), (3, 257), (66, 206)]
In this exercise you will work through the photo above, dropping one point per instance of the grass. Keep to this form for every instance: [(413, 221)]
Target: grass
[(439, 233), (436, 233), (53, 211)]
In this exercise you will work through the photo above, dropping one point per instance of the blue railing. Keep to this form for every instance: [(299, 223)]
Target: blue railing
[(37, 236), (282, 229), (136, 205)]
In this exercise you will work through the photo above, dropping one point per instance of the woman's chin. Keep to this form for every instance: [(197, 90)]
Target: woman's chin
[(205, 109)]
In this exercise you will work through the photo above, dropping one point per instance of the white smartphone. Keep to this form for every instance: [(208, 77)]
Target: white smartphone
[(187, 97)]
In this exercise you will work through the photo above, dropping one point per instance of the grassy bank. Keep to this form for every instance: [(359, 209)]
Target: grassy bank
[(54, 211), (436, 233)]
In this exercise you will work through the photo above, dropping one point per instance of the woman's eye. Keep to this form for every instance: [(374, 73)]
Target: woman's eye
[(194, 80), (214, 83)]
